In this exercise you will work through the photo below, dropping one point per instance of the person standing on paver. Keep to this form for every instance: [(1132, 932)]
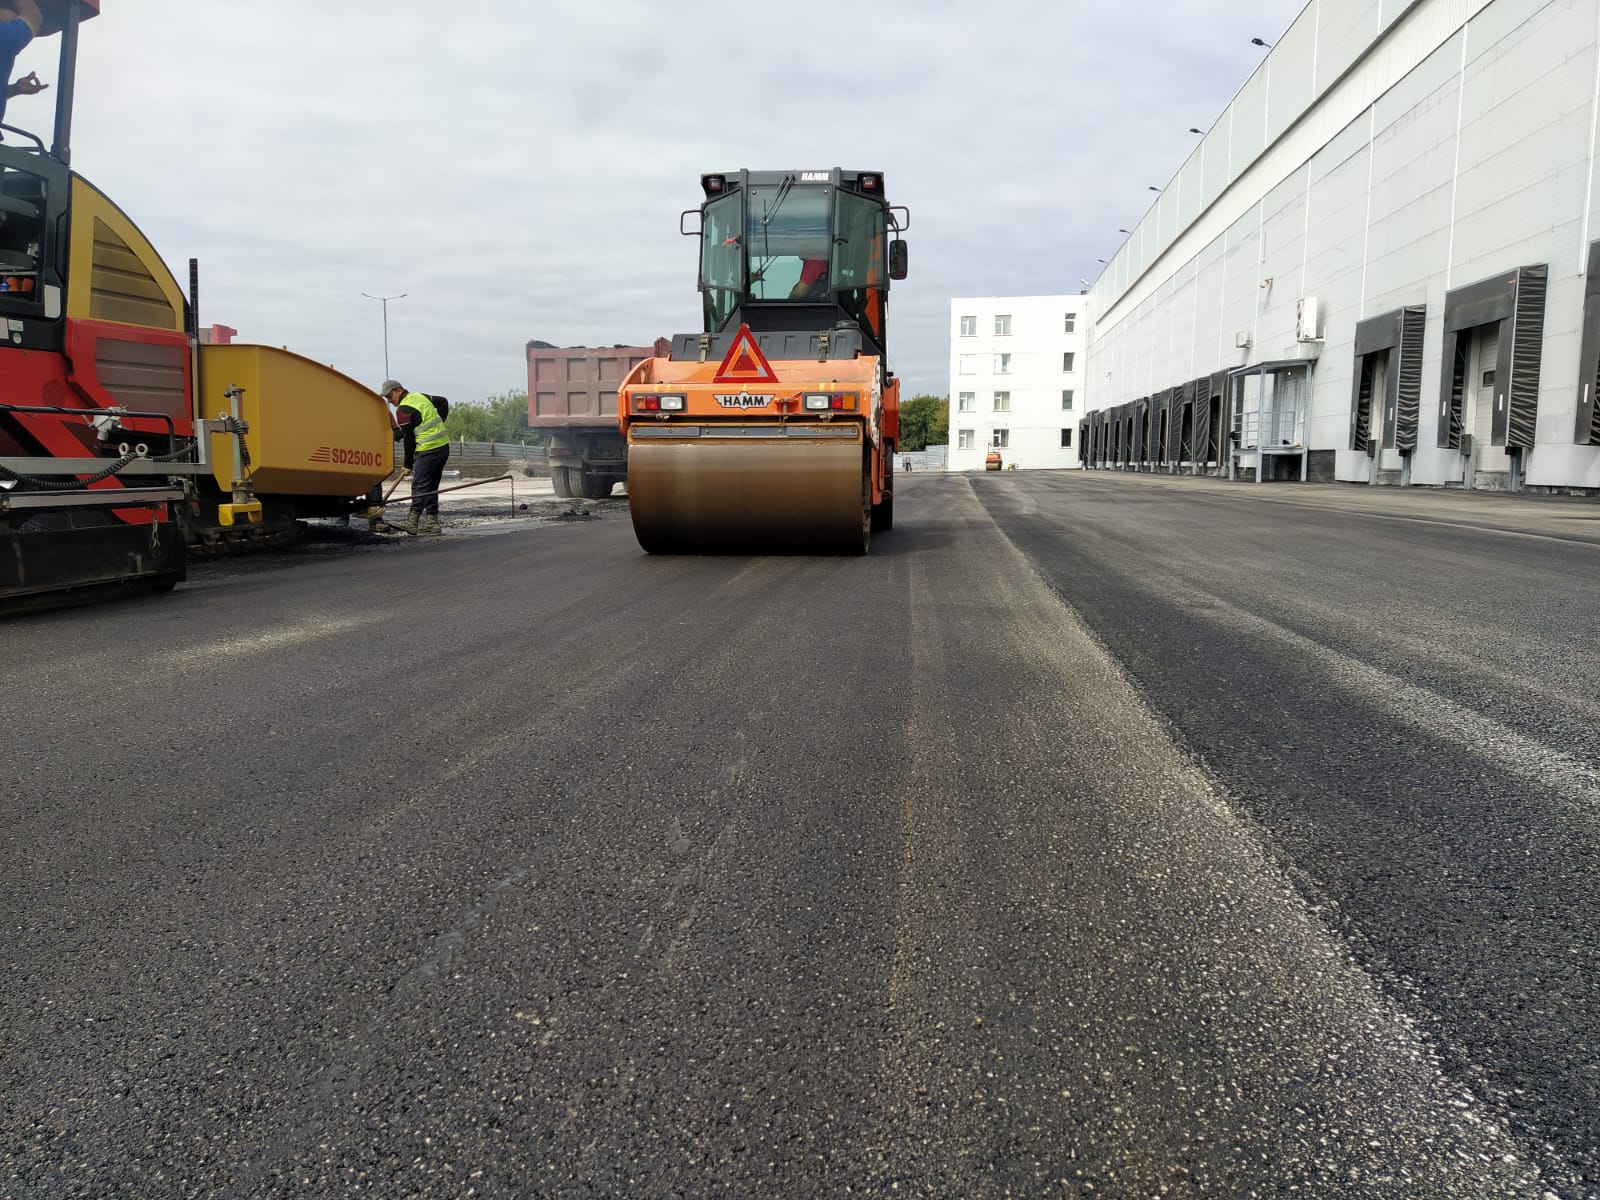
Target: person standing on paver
[(427, 449)]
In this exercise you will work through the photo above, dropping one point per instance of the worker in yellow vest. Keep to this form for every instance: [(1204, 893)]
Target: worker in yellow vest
[(427, 449)]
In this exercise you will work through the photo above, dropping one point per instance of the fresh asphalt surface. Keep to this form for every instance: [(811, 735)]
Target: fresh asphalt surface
[(1096, 835)]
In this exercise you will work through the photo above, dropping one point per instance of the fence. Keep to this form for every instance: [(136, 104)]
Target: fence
[(496, 458), (931, 459)]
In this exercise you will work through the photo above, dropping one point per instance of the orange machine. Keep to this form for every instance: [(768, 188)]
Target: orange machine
[(774, 430)]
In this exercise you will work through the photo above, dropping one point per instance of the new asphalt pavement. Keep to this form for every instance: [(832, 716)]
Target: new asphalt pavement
[(1096, 835)]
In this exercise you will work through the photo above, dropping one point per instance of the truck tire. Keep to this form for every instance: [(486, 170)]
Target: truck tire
[(597, 487), (560, 480), (869, 513), (883, 514)]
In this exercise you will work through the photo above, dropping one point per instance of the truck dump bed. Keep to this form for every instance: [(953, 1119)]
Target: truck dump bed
[(577, 385), (572, 392)]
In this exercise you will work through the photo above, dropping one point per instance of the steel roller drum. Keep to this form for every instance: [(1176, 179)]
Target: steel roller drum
[(787, 495)]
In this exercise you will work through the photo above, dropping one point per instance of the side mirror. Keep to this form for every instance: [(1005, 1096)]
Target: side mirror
[(897, 259)]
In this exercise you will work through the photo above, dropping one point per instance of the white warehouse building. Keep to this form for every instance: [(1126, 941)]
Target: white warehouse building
[(1016, 371), (1379, 265)]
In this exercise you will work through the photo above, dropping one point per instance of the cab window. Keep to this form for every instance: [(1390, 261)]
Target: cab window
[(721, 260), (858, 247), (787, 241), (22, 229)]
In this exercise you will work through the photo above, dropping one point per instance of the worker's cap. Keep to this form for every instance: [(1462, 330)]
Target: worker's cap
[(390, 385)]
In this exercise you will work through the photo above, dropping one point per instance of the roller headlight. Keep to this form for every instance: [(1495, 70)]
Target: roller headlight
[(662, 402), (830, 401)]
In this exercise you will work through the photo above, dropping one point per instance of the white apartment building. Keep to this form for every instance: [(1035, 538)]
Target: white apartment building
[(1380, 264), (1016, 372)]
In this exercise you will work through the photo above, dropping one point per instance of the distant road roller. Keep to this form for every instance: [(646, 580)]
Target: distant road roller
[(774, 430)]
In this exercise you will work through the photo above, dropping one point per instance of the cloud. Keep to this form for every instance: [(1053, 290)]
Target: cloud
[(518, 170)]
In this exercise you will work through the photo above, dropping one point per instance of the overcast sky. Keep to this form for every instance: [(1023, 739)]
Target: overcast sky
[(517, 168)]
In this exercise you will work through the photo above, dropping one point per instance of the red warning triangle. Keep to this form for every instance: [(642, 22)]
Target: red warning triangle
[(744, 362)]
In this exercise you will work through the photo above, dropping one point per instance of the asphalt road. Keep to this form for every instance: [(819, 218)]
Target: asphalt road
[(1096, 835)]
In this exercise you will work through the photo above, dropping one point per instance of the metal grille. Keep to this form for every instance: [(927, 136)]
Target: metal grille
[(1527, 345), (1361, 416), (1202, 420), (1409, 382)]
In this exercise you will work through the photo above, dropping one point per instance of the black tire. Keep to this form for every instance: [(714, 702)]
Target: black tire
[(561, 482), (597, 487), (868, 517), (883, 514)]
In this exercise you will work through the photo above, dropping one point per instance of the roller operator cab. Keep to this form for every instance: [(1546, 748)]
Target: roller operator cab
[(773, 430)]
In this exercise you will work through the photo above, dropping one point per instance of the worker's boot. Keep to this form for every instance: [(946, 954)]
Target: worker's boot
[(409, 524), (430, 526)]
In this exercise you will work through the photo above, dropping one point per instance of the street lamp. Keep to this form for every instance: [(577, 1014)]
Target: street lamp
[(385, 300)]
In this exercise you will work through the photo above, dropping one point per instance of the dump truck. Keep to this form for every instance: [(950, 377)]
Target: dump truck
[(572, 395), (123, 439), (773, 429)]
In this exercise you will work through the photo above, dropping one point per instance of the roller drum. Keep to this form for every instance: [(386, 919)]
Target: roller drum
[(770, 496)]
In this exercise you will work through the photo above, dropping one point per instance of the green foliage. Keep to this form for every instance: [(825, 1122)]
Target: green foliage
[(924, 422), (502, 418)]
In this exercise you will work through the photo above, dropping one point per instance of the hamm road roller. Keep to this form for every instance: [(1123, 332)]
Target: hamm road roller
[(774, 430)]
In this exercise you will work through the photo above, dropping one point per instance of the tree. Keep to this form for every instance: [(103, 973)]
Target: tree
[(502, 418), (924, 422)]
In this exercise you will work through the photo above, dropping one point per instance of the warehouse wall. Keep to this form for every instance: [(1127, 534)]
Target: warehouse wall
[(1383, 154)]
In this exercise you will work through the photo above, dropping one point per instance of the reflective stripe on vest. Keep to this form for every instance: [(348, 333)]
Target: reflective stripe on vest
[(430, 425)]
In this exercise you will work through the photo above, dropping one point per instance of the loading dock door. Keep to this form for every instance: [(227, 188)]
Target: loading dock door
[(1515, 303)]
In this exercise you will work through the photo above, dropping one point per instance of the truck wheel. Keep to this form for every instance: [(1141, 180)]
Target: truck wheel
[(559, 480), (868, 512), (883, 514), (597, 487)]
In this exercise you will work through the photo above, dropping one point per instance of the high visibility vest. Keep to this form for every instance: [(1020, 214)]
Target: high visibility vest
[(430, 425)]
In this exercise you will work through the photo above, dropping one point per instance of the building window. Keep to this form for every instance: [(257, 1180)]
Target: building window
[(969, 326), (1002, 402), (1066, 438), (1066, 361), (967, 402), (1002, 364), (1002, 326), (964, 439), (1066, 399), (1002, 438), (1071, 323), (967, 364)]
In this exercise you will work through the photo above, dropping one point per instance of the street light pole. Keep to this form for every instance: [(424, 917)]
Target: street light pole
[(385, 301)]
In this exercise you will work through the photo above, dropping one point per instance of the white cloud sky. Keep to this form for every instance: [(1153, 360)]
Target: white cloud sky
[(518, 168)]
